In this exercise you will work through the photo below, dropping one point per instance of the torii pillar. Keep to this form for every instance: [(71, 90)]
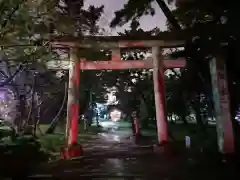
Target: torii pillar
[(159, 93), (225, 134), (73, 149)]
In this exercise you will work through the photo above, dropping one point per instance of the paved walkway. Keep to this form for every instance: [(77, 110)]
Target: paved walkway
[(107, 157)]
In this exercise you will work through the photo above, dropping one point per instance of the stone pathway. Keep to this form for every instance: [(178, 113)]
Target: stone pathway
[(107, 157)]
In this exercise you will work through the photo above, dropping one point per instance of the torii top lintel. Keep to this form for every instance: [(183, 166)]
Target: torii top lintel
[(165, 40), (115, 43)]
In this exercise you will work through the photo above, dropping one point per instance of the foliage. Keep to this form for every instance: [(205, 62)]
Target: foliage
[(214, 30), (20, 157), (27, 26), (26, 29), (220, 34), (211, 27), (134, 9)]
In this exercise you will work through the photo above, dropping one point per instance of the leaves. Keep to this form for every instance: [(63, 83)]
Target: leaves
[(133, 9), (26, 25)]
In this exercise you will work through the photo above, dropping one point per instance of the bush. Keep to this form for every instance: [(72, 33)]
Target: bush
[(21, 157)]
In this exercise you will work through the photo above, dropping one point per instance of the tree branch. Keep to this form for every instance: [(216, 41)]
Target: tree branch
[(1, 8), (170, 17), (11, 14), (175, 73)]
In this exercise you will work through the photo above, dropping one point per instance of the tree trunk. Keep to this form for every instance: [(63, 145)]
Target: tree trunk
[(196, 107), (171, 118), (97, 121), (183, 118), (85, 124), (144, 114), (233, 92), (170, 17)]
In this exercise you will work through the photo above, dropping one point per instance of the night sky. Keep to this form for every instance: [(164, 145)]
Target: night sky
[(146, 22)]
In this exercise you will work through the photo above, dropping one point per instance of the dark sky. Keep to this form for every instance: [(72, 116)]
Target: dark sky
[(146, 22)]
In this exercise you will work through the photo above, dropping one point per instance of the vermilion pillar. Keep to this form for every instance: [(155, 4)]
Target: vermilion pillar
[(222, 105), (73, 149), (137, 126), (159, 92)]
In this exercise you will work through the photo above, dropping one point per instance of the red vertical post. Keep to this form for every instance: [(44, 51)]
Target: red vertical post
[(137, 126), (159, 92), (224, 126), (73, 149), (116, 54), (75, 106)]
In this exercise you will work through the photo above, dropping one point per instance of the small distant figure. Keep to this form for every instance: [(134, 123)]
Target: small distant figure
[(132, 123), (135, 124), (84, 122), (188, 142)]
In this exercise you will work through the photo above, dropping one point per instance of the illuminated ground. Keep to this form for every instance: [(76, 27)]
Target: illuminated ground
[(106, 158), (137, 163)]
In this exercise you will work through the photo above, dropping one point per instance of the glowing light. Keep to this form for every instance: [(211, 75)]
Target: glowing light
[(115, 115)]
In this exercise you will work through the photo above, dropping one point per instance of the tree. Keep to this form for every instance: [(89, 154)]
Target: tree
[(220, 34), (214, 30), (43, 20), (197, 73), (134, 9), (26, 27)]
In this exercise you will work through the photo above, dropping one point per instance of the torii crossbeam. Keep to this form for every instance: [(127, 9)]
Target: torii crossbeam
[(157, 62)]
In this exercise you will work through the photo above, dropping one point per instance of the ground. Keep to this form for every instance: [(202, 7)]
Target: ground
[(144, 166), (108, 158)]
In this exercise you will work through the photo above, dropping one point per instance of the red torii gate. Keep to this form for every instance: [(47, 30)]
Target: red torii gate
[(157, 62)]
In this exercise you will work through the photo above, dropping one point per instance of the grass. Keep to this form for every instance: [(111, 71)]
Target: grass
[(180, 131), (20, 157), (53, 142)]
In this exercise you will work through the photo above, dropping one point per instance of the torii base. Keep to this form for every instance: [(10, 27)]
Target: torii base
[(72, 151), (137, 138), (160, 148), (168, 148)]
